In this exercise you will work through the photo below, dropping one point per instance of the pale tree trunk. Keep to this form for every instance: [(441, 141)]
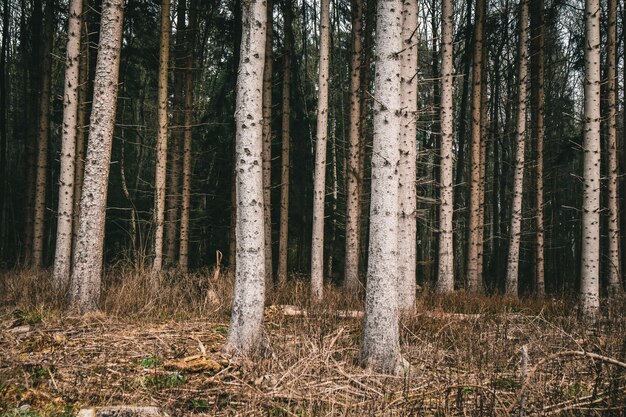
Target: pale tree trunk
[(283, 234), (474, 280), (512, 272), (183, 251), (44, 134), (407, 195), (87, 266), (590, 250), (353, 204), (538, 108), (161, 145), (65, 215), (267, 146), (484, 124), (319, 180), (445, 282), (615, 286), (245, 335), (380, 348)]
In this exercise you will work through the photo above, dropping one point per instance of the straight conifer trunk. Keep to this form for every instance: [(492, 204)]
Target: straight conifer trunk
[(380, 348), (615, 285), (353, 204), (267, 146), (245, 335), (319, 180), (62, 259), (590, 250), (161, 145), (515, 231), (407, 194), (88, 254), (445, 283)]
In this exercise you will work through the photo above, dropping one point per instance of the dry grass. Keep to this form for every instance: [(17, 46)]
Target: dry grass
[(464, 350)]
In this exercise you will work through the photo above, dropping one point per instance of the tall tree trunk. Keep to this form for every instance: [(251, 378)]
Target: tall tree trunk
[(4, 99), (267, 146), (319, 180), (88, 254), (245, 335), (590, 250), (484, 130), (615, 285), (474, 280), (380, 348), (43, 138), (512, 272), (183, 251), (538, 110), (445, 282), (174, 154), (65, 213), (353, 203), (407, 194), (283, 236), (161, 145)]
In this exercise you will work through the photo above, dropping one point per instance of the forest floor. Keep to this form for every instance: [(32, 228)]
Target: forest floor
[(465, 352)]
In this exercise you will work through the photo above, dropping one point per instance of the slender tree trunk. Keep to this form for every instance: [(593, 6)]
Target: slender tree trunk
[(538, 108), (380, 348), (88, 254), (615, 285), (44, 133), (484, 130), (4, 99), (183, 251), (319, 180), (283, 238), (245, 335), (512, 272), (353, 204), (407, 193), (161, 146), (590, 251), (267, 146), (474, 280), (445, 283), (65, 213)]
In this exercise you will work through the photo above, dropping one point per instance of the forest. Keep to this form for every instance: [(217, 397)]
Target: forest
[(312, 207)]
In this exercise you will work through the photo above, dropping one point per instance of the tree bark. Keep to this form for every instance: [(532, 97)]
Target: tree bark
[(43, 138), (283, 236), (245, 335), (518, 176), (380, 348), (183, 251), (87, 265), (161, 145), (62, 259), (267, 146), (474, 280), (319, 180), (615, 285), (590, 250), (445, 282), (538, 109), (353, 204), (407, 193)]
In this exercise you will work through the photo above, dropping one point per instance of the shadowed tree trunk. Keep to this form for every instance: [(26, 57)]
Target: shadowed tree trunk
[(87, 264), (267, 146), (161, 145)]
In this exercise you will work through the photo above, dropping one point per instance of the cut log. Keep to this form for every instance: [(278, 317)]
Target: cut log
[(122, 411)]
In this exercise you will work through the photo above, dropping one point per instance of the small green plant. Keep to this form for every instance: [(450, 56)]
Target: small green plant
[(199, 404), (221, 329), (161, 381), (151, 361)]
